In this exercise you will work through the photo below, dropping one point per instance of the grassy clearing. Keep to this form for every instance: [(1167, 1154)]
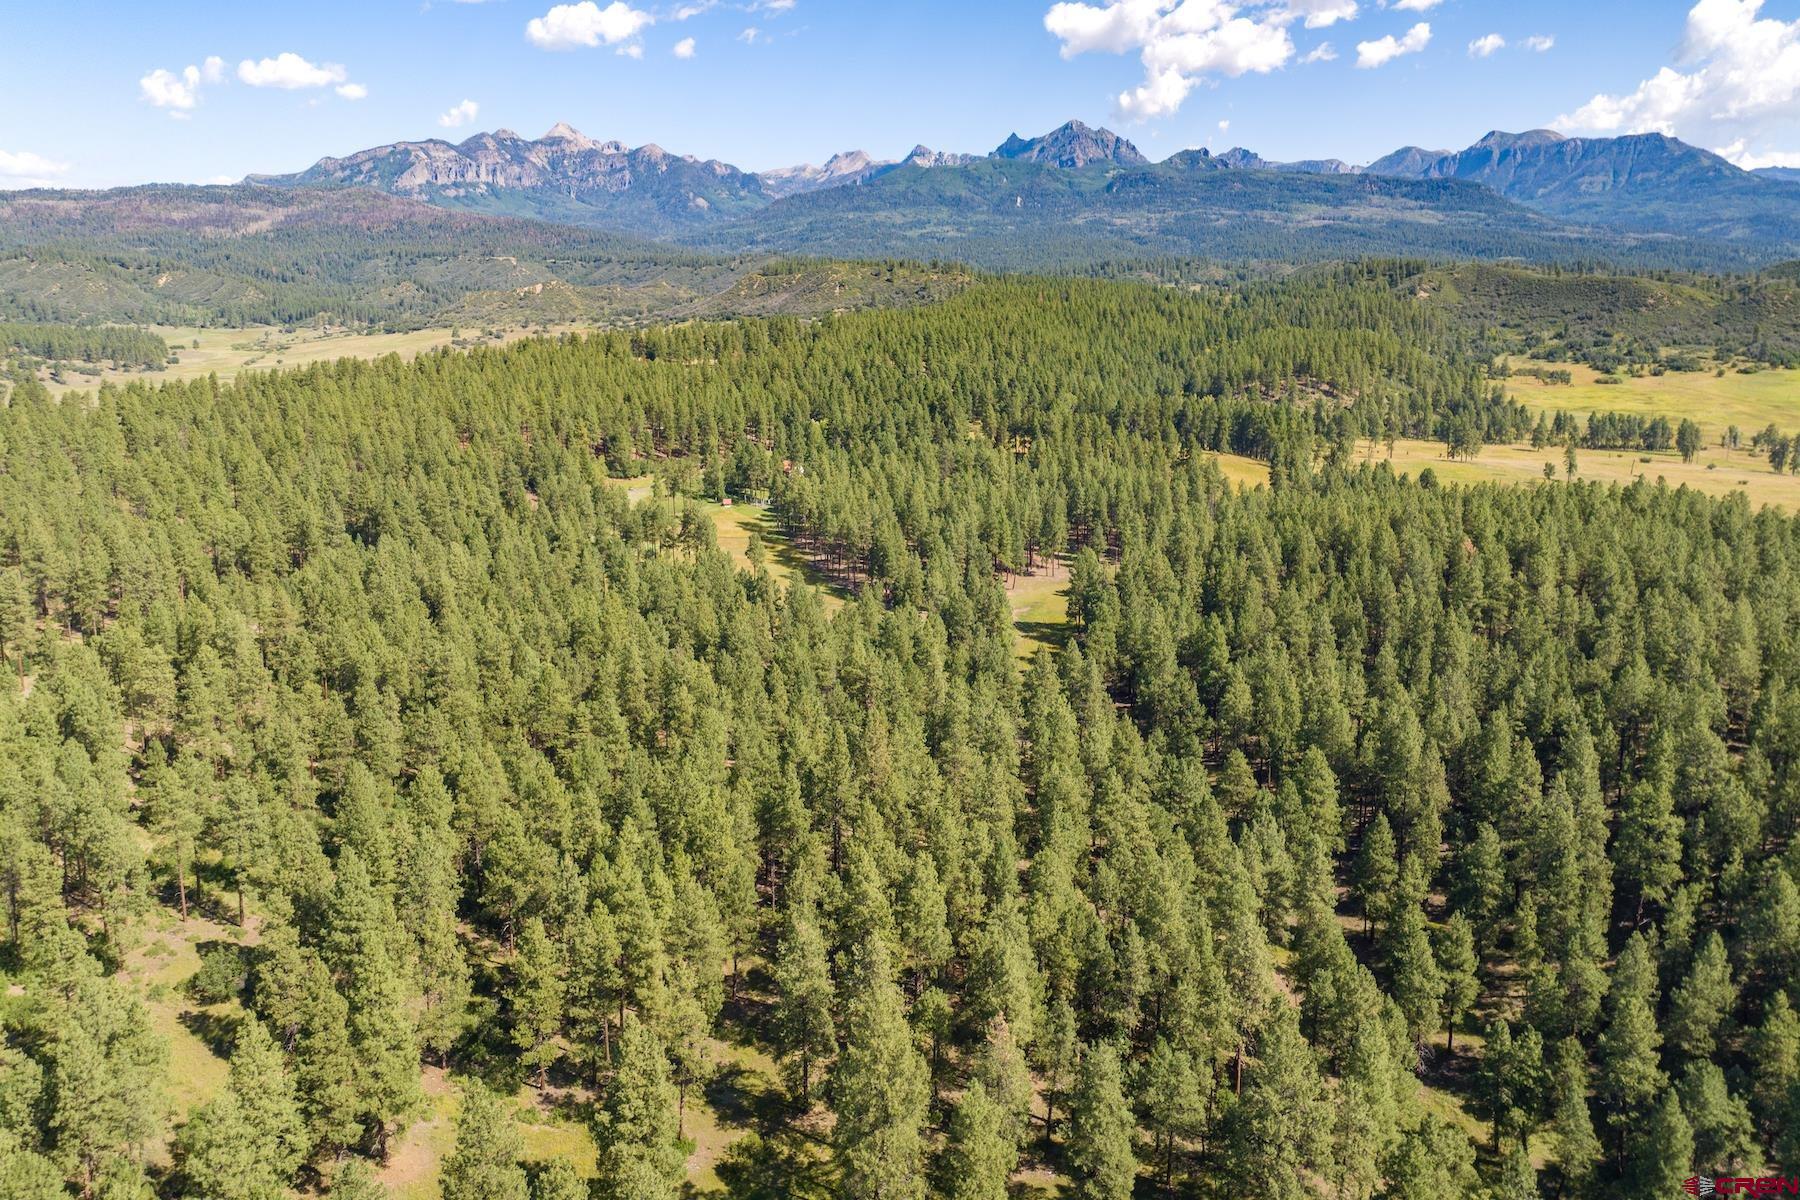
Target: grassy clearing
[(160, 968), (229, 351), (1040, 609), (1245, 473), (1715, 401), (735, 524), (1714, 472)]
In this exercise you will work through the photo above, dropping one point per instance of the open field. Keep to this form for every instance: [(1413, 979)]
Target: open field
[(228, 351), (783, 562), (1714, 472), (1714, 401), (1040, 609), (1244, 472)]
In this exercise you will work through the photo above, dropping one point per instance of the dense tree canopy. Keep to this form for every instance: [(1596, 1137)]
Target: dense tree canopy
[(507, 772)]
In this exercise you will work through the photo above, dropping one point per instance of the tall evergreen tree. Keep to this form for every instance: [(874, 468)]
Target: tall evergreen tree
[(1102, 1158), (879, 1088), (640, 1155), (485, 1163)]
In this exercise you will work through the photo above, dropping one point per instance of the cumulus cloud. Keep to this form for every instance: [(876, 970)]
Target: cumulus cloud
[(180, 92), (1739, 86), (1538, 43), (1317, 14), (1486, 44), (1740, 153), (23, 169), (1321, 53), (684, 48), (573, 26), (290, 72), (1384, 50), (1183, 42), (459, 115), (1417, 5), (352, 91)]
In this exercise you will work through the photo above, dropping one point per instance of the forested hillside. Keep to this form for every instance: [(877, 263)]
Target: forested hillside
[(1608, 320), (1363, 837)]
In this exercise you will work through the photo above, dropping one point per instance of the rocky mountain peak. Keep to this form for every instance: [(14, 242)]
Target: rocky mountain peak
[(562, 131), (1072, 145)]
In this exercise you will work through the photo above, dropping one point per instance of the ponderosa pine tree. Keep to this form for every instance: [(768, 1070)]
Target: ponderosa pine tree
[(1723, 1129), (1279, 1132), (1101, 1155), (981, 1153), (537, 995), (558, 1180), (879, 1088), (1660, 1152), (1628, 1076), (1375, 871), (1432, 1161), (1457, 967), (247, 1143), (805, 1033), (1578, 1149), (1701, 1001), (1169, 1101), (359, 949), (485, 1163), (640, 1156)]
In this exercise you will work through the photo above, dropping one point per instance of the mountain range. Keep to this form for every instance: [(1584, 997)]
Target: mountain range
[(1642, 184), (548, 227)]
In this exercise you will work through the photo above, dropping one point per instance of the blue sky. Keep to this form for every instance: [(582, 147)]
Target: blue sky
[(103, 93)]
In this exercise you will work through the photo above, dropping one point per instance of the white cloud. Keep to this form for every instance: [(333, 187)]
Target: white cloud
[(290, 72), (459, 115), (1384, 50), (1538, 43), (775, 6), (569, 26), (684, 48), (352, 91), (1740, 153), (23, 169), (1417, 5), (1161, 92), (1320, 53), (1739, 89), (1486, 44), (180, 93), (1224, 126), (1183, 42), (165, 89), (631, 50), (689, 11), (1318, 14), (751, 36)]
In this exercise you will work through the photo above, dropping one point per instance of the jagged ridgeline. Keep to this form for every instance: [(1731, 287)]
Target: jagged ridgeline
[(1359, 836)]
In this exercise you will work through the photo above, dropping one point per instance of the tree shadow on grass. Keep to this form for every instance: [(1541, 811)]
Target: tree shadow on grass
[(218, 1030), (784, 1166), (1050, 633)]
